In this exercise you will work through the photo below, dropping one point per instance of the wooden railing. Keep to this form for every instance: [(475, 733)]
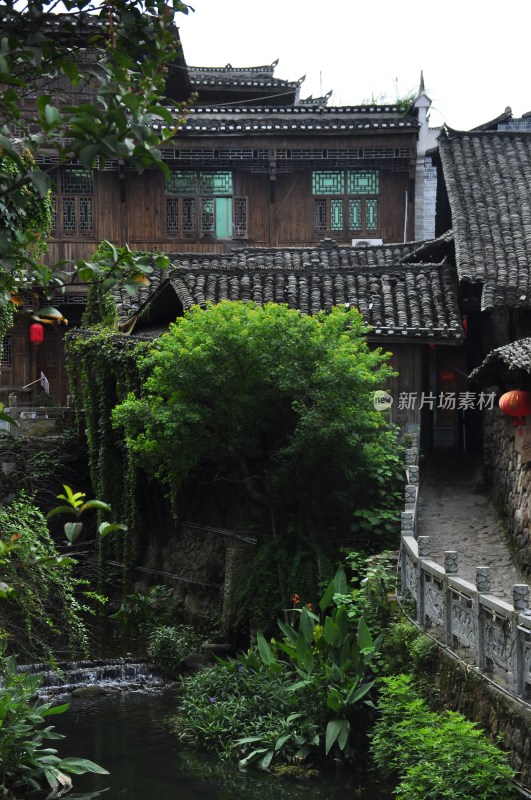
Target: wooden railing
[(480, 628)]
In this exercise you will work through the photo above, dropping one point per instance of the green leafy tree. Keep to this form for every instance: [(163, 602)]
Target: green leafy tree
[(109, 106), (277, 405)]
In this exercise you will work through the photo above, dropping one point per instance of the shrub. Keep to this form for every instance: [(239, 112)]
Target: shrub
[(406, 648), (230, 701), (142, 610), (372, 582), (440, 756), (169, 644)]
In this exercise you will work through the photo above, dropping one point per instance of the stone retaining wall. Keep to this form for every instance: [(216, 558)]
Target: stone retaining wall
[(506, 465)]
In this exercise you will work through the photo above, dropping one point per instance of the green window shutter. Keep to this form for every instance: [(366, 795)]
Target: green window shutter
[(328, 181), (354, 214), (336, 215), (363, 181), (223, 217), (372, 222)]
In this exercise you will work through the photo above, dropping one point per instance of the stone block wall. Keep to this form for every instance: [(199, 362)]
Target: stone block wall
[(506, 455)]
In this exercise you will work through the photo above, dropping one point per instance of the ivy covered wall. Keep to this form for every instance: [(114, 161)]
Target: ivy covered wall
[(102, 369)]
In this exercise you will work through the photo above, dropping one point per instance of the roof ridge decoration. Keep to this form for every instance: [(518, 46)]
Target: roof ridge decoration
[(452, 133), (301, 108), (265, 68), (316, 101)]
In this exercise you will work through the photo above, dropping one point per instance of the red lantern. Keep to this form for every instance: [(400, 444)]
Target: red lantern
[(516, 404), (446, 376), (36, 332)]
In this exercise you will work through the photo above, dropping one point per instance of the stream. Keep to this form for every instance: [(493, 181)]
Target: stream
[(127, 732)]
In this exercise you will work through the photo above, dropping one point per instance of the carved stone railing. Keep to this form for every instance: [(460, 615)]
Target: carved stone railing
[(483, 630)]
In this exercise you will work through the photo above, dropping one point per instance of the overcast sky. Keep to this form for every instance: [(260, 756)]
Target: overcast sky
[(475, 55)]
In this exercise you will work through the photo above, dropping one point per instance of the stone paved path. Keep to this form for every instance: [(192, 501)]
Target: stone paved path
[(456, 512)]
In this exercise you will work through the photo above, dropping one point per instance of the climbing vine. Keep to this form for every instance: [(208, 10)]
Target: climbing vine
[(102, 369), (6, 320), (42, 612)]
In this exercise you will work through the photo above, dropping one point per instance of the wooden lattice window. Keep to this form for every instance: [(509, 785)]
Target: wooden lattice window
[(73, 204), (188, 215), (6, 356), (172, 214), (202, 204), (346, 201), (240, 217)]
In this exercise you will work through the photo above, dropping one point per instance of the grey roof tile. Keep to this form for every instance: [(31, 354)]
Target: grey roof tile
[(397, 298), (513, 356), (488, 178)]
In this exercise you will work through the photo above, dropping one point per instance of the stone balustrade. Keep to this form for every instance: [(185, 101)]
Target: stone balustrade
[(482, 629)]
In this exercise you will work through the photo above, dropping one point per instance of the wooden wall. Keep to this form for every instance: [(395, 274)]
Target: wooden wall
[(29, 360), (131, 208)]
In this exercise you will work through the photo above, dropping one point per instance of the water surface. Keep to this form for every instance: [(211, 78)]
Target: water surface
[(128, 734)]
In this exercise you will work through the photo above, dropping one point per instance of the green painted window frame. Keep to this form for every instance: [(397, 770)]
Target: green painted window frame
[(201, 204), (346, 201)]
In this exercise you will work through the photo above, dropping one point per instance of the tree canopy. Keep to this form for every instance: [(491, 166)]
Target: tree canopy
[(274, 402)]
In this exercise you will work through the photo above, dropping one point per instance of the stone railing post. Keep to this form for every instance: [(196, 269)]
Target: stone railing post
[(403, 570), (451, 562), (424, 550), (451, 568), (413, 475), (408, 523), (424, 543), (521, 604), (483, 584)]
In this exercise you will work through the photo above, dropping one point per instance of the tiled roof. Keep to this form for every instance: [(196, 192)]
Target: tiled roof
[(303, 118), (230, 77), (488, 179), (397, 299), (513, 356)]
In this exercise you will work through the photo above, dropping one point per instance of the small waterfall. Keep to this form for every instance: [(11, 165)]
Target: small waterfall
[(91, 678)]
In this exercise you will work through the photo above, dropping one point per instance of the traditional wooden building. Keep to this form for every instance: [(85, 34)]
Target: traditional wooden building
[(255, 164)]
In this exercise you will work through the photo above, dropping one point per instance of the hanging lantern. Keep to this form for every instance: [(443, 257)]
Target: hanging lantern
[(516, 404), (36, 332)]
